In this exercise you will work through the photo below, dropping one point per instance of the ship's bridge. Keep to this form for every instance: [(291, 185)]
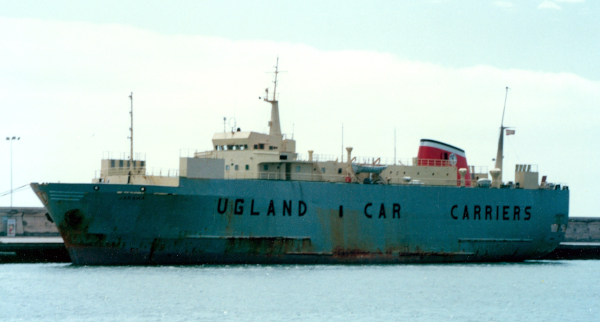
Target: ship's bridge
[(228, 141)]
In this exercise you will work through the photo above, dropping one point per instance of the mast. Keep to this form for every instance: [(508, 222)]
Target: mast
[(131, 136), (274, 126), (394, 146), (275, 81), (342, 159), (500, 153)]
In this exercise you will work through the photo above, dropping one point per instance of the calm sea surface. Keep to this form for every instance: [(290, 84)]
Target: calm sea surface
[(530, 291)]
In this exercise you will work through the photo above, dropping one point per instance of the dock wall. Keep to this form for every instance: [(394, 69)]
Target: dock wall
[(30, 221), (583, 229)]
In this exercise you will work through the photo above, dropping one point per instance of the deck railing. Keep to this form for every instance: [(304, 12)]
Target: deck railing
[(159, 172), (342, 178), (109, 155)]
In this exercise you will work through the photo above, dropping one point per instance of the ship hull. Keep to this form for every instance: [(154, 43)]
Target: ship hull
[(212, 221)]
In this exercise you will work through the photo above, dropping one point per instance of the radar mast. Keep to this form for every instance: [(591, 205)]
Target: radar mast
[(274, 125), (131, 136), (500, 153)]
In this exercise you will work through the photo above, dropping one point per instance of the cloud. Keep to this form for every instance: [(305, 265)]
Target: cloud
[(503, 4), (571, 1), (549, 5)]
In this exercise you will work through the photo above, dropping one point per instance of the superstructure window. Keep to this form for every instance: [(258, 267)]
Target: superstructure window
[(270, 147), (297, 168), (247, 167), (261, 146), (227, 167), (266, 167), (255, 146), (237, 167), (323, 170), (340, 170)]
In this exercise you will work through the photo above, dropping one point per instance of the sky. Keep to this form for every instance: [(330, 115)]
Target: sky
[(420, 69)]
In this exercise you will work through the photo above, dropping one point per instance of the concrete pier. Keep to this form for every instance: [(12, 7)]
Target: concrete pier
[(27, 235), (582, 240), (33, 249)]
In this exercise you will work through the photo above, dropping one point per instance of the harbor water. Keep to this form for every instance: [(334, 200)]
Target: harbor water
[(528, 291)]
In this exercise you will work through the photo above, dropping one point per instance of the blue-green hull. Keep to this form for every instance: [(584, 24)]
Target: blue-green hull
[(264, 221)]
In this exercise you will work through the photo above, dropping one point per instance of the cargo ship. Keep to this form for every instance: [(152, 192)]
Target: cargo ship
[(252, 199)]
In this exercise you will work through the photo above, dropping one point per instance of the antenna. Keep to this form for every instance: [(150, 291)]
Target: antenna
[(224, 122), (232, 124), (275, 81), (276, 72), (131, 137), (394, 145), (342, 159)]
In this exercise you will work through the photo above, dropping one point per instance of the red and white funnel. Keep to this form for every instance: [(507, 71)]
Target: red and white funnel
[(438, 154)]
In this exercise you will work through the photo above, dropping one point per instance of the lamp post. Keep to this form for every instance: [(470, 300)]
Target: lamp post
[(11, 139)]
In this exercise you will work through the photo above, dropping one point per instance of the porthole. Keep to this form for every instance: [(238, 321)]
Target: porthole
[(142, 189), (96, 188)]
